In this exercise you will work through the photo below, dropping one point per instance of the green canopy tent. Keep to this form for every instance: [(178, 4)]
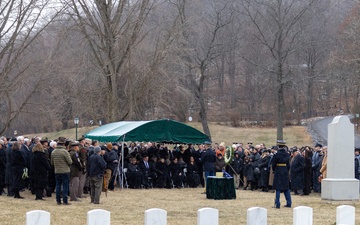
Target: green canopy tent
[(163, 131)]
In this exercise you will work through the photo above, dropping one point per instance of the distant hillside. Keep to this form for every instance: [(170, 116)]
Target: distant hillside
[(293, 135)]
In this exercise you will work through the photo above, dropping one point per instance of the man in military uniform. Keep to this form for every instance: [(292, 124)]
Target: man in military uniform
[(208, 159), (281, 167)]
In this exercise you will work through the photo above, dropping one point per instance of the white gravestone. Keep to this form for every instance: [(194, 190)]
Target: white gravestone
[(208, 216), (256, 216), (37, 217), (340, 183), (303, 215), (98, 217), (345, 214), (155, 216)]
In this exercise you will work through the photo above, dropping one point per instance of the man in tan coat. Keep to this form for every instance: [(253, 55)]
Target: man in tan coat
[(61, 160)]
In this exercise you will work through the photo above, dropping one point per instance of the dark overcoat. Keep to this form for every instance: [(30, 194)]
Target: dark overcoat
[(281, 167), (264, 171), (39, 172), (208, 159), (8, 164), (249, 171), (297, 172), (18, 165)]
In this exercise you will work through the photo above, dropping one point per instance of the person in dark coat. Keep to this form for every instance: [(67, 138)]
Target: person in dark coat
[(134, 175), (316, 166), (220, 163), (248, 173), (281, 167), (208, 159), (40, 167), (149, 172), (2, 167), (8, 172), (235, 169), (192, 173), (264, 170), (307, 153), (177, 173), (18, 166), (297, 173), (163, 174)]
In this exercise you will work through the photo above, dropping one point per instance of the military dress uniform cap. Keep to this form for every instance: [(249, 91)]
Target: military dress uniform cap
[(207, 142), (281, 142)]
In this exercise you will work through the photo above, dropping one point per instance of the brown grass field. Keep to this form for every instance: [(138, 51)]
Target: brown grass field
[(127, 206)]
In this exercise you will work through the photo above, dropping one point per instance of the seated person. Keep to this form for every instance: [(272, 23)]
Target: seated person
[(134, 175), (163, 174), (177, 173), (148, 171), (192, 174)]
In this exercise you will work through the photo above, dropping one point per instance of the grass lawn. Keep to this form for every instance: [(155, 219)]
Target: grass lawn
[(128, 206)]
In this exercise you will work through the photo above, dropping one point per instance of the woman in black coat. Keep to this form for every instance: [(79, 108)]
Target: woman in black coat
[(39, 170), (18, 166), (297, 173), (307, 153), (264, 170)]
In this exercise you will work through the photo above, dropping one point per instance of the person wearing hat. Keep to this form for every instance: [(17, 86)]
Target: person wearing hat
[(61, 160), (316, 166), (75, 171), (297, 172), (83, 156), (281, 167), (208, 159), (97, 167)]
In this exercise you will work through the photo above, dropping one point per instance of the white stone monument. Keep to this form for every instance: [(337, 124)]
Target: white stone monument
[(340, 183)]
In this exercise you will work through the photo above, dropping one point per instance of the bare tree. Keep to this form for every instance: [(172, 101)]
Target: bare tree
[(21, 23), (112, 29), (276, 27)]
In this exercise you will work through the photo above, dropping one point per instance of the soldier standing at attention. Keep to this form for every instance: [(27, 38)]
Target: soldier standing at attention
[(281, 167)]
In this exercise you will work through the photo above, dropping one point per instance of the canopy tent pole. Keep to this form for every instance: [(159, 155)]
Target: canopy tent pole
[(122, 163)]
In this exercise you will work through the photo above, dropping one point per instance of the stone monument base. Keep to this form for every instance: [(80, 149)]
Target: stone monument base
[(339, 189)]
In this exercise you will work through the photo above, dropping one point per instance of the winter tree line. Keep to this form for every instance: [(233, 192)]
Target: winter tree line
[(213, 60)]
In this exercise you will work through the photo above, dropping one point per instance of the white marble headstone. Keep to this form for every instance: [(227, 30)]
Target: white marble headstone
[(345, 214), (98, 217), (256, 216), (303, 215), (340, 183), (155, 216), (208, 216), (37, 217)]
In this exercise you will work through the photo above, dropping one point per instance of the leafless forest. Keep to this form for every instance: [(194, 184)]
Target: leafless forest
[(269, 61)]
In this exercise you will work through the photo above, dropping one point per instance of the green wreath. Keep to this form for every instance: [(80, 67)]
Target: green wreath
[(229, 154)]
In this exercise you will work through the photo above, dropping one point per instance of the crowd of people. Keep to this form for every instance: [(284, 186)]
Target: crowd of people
[(72, 169)]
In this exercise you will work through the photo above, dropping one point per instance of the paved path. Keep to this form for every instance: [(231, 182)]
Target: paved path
[(319, 130)]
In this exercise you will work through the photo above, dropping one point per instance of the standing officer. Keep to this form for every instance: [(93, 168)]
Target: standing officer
[(281, 167), (208, 159)]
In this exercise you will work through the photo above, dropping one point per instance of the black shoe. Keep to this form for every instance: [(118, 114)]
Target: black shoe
[(287, 206), (18, 196), (66, 203), (59, 203)]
